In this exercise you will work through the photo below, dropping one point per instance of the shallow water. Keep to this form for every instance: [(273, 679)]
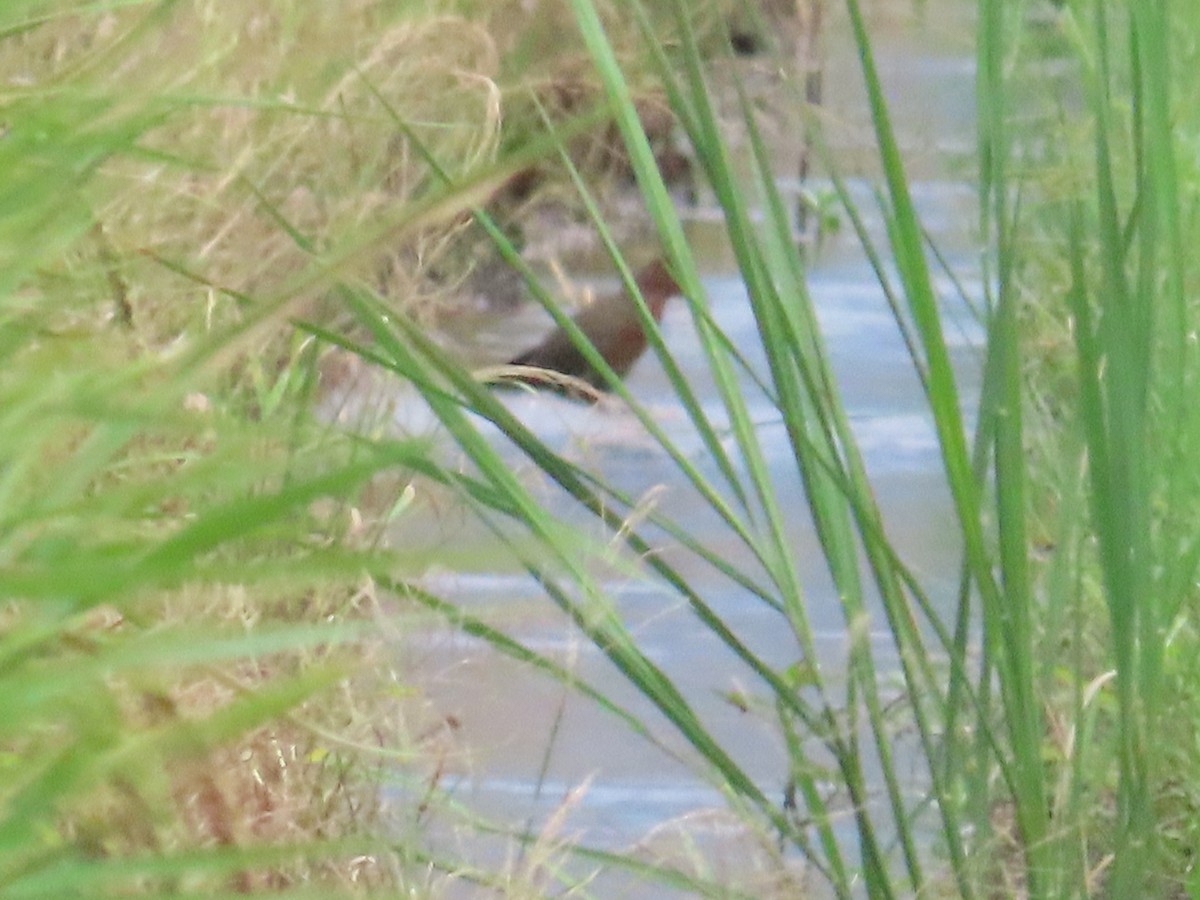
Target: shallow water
[(529, 742)]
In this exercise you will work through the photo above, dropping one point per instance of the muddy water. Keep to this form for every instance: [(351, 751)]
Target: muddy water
[(530, 745)]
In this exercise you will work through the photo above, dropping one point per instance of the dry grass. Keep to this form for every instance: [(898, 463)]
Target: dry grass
[(266, 115), (276, 144)]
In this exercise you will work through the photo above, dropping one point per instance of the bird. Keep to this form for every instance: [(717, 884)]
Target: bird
[(613, 326)]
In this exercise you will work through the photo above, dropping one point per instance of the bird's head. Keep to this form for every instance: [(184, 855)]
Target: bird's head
[(657, 286)]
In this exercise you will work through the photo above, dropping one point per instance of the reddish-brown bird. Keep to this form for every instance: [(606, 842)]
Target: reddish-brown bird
[(612, 324)]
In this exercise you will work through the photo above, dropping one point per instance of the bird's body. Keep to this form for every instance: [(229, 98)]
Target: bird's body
[(613, 326)]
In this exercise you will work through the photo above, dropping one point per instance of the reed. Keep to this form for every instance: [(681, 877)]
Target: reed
[(1022, 758)]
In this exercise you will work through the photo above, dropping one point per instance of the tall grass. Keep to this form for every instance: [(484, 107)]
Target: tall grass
[(171, 547), (141, 498), (1017, 777)]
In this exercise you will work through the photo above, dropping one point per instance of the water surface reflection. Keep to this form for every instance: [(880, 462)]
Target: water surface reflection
[(532, 742)]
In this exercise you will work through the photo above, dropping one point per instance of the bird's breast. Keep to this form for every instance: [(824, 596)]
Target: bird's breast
[(626, 344)]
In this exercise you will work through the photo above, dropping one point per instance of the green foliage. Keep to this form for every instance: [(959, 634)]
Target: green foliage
[(1072, 499), (145, 523)]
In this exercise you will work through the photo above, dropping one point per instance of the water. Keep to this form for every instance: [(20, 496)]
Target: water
[(529, 743)]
